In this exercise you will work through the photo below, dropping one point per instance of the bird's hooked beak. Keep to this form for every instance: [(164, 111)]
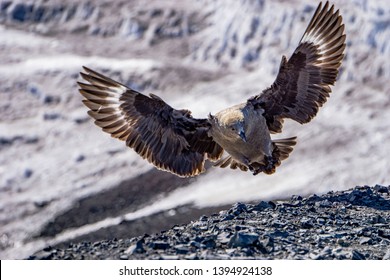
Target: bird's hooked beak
[(242, 135)]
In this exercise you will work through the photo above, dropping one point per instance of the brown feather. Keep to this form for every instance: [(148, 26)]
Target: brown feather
[(302, 84), (170, 139)]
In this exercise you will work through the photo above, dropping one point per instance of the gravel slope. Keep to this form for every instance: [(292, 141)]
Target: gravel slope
[(351, 224)]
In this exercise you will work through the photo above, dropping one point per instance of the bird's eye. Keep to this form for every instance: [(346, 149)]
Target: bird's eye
[(232, 128)]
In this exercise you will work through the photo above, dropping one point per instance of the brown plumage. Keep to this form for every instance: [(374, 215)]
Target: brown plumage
[(174, 141)]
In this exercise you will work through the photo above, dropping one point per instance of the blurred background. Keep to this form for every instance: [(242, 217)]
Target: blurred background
[(63, 180)]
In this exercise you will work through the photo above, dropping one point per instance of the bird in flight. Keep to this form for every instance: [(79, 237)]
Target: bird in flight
[(174, 141)]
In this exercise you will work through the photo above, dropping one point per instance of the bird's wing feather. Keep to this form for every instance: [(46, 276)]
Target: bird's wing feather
[(303, 83), (170, 139)]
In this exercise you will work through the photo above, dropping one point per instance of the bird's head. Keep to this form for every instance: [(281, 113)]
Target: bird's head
[(237, 128), (230, 123)]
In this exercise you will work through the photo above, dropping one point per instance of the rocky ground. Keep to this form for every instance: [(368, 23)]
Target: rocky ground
[(351, 224), (62, 180)]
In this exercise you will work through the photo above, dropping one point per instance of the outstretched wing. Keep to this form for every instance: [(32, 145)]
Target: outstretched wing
[(302, 85), (170, 139)]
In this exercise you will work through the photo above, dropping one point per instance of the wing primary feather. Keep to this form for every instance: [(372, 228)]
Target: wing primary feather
[(303, 83), (156, 131)]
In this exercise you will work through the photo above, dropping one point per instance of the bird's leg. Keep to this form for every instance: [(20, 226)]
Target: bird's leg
[(269, 166), (256, 168)]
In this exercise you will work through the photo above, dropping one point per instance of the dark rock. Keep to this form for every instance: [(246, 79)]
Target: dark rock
[(136, 248), (278, 224), (243, 239), (203, 218), (181, 249), (365, 240), (265, 245), (343, 243), (159, 245), (378, 219), (279, 234), (356, 255), (296, 198), (321, 221), (307, 223), (324, 203), (381, 189), (384, 233), (314, 198), (209, 243), (196, 244), (47, 249), (237, 209), (367, 231), (263, 205), (227, 217)]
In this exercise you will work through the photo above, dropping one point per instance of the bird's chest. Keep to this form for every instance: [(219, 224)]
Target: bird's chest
[(257, 145)]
